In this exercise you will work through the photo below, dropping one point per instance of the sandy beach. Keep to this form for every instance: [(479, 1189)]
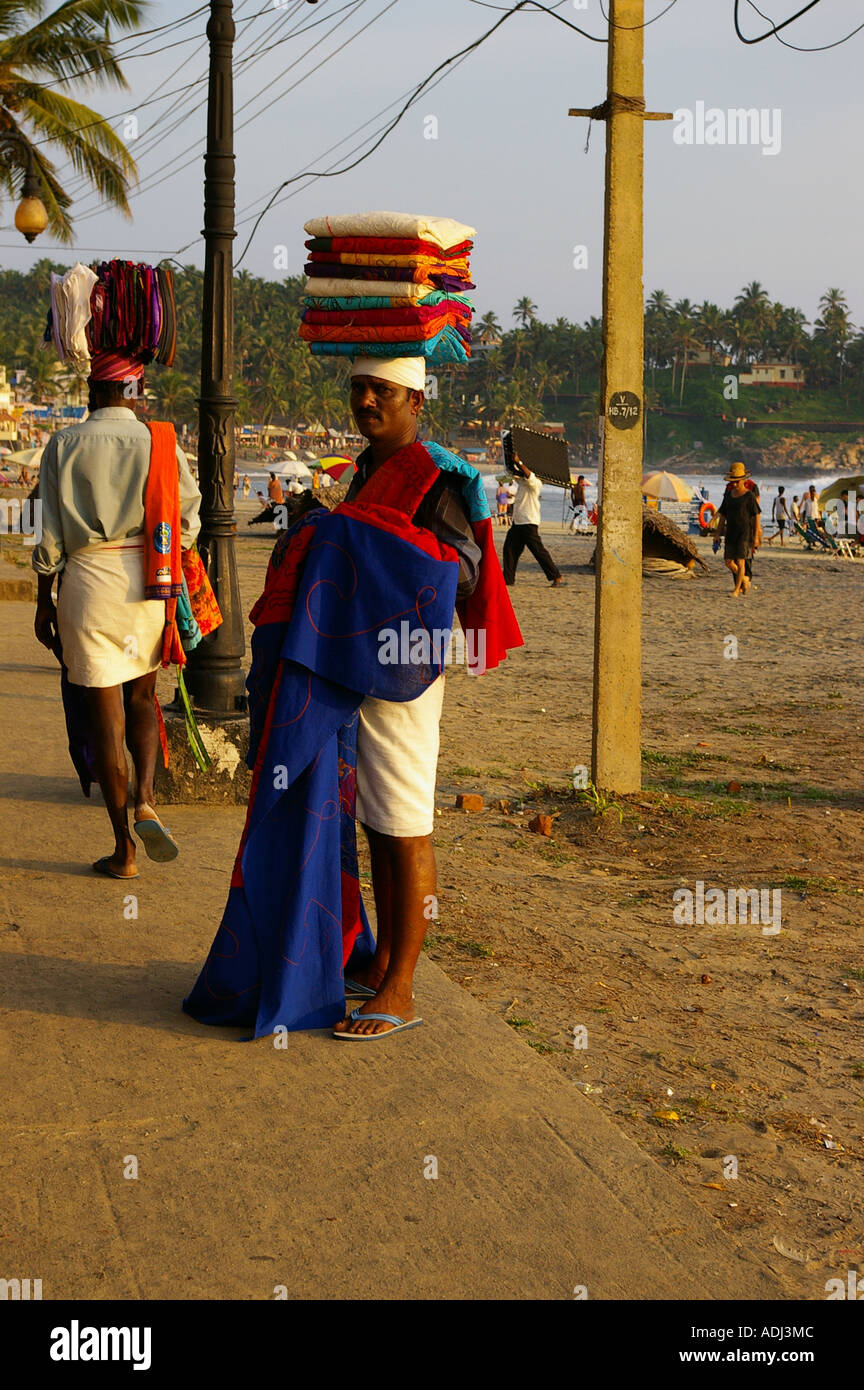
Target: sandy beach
[(703, 1042)]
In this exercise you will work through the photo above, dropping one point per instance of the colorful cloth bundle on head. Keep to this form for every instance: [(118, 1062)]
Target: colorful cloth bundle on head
[(388, 284), (113, 313), (133, 311)]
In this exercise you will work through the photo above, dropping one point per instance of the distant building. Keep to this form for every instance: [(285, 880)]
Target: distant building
[(773, 374), (8, 422), (701, 357)]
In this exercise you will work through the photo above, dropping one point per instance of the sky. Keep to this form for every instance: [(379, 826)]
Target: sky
[(504, 156)]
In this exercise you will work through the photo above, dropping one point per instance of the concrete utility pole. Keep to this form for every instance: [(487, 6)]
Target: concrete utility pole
[(215, 675), (616, 745)]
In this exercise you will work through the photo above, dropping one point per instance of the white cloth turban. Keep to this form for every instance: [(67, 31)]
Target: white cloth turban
[(403, 371)]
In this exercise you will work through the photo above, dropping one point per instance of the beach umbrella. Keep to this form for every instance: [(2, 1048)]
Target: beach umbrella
[(331, 461), (4, 449), (26, 458), (293, 470), (668, 487), (335, 467), (852, 484), (290, 456)]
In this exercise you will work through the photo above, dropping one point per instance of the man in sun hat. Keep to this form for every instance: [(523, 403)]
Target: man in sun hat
[(336, 723), (740, 523), (94, 488)]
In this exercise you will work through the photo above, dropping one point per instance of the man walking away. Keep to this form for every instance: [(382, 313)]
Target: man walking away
[(525, 529), (781, 512), (98, 536)]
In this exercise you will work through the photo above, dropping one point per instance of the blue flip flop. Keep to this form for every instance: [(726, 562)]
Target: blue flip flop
[(353, 990), (158, 841), (399, 1026)]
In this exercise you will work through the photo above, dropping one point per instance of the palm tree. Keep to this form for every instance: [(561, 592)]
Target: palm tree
[(754, 306), (712, 323), (685, 331), (174, 394), (489, 329), (547, 380), (40, 52), (834, 326), (791, 334), (515, 400), (658, 314), (525, 311)]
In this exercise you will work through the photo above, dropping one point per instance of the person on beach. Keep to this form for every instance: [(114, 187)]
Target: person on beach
[(578, 502), (781, 513), (525, 530), (740, 523), (502, 497), (117, 504), (796, 509), (511, 490), (274, 490), (345, 696), (811, 511), (247, 485)]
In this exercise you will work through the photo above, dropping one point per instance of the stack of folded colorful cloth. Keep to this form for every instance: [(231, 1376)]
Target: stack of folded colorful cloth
[(388, 284)]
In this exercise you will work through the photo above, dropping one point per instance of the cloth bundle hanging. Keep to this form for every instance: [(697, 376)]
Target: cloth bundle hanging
[(113, 307), (133, 310), (388, 284)]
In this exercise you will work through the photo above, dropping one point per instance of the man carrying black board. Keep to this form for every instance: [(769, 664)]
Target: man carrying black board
[(525, 529)]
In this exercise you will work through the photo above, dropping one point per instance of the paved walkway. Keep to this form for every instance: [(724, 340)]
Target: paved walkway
[(260, 1167)]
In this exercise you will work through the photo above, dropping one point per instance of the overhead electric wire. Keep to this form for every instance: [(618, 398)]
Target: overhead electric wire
[(645, 24), (800, 48), (777, 27), (133, 52), (154, 182), (242, 220), (155, 134), (159, 132), (418, 90), (280, 95)]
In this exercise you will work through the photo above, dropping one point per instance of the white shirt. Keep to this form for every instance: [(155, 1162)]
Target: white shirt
[(810, 508), (91, 486), (526, 508)]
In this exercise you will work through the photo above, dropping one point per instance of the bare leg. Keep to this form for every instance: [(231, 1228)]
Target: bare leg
[(109, 728), (737, 569), (142, 736), (382, 886), (403, 876)]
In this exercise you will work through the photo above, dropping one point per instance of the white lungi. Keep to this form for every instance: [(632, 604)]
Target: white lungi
[(109, 631), (397, 758)]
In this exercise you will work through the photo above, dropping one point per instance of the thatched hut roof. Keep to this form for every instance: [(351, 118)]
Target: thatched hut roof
[(661, 537), (663, 540)]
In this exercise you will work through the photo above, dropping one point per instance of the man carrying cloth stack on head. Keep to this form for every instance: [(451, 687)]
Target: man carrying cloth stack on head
[(118, 502), (346, 689)]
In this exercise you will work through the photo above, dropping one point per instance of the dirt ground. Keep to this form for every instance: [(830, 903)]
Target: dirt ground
[(714, 1047)]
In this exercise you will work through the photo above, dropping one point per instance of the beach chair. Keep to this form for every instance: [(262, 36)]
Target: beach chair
[(811, 536), (841, 545)]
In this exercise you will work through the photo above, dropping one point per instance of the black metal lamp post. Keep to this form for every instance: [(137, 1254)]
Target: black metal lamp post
[(215, 674)]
